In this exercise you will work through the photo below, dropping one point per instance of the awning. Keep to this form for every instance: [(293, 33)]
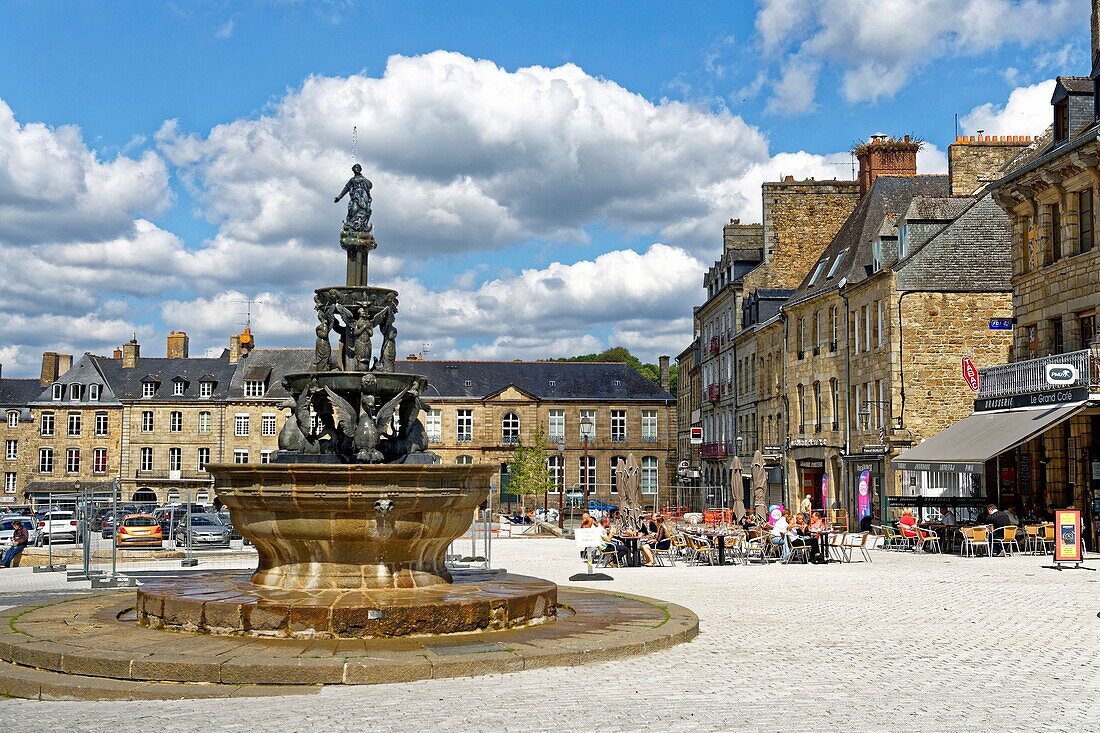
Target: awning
[(968, 444)]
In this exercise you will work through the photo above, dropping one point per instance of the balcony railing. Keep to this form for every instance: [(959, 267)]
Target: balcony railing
[(714, 450), (1028, 377), (509, 440), (649, 438), (713, 393)]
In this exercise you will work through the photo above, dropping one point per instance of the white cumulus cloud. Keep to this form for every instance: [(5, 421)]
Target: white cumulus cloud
[(1027, 112)]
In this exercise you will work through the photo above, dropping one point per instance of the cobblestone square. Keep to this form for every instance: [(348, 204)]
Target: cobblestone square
[(935, 643)]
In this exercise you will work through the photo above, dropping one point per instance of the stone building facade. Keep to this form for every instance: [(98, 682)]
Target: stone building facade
[(19, 436), (688, 415)]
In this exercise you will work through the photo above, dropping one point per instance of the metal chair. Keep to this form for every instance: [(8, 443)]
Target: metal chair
[(1003, 537), (928, 537), (801, 550), (974, 538)]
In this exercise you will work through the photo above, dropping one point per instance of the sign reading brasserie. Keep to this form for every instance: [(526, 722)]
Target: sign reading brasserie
[(1011, 402)]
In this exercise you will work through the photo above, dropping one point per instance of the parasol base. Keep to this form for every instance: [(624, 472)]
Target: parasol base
[(580, 577)]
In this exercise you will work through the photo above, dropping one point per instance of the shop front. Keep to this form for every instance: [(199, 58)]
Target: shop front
[(814, 469)]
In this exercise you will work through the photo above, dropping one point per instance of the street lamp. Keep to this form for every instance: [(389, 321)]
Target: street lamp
[(586, 429), (560, 480)]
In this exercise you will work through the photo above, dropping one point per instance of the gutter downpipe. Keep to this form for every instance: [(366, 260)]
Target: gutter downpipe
[(847, 388), (786, 410)]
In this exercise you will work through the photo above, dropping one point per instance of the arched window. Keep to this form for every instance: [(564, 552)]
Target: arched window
[(144, 496), (464, 460), (509, 428), (201, 497), (173, 496), (649, 475)]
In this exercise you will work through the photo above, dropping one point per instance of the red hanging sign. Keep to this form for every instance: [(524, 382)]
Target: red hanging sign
[(970, 373)]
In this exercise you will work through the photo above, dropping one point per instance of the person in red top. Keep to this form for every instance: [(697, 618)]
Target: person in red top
[(908, 526)]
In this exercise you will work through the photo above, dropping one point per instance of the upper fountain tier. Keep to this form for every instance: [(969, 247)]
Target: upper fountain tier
[(345, 405)]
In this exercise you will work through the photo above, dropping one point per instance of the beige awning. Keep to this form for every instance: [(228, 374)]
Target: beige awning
[(968, 444)]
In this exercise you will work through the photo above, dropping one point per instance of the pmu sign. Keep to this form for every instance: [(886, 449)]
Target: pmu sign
[(970, 373), (1060, 375)]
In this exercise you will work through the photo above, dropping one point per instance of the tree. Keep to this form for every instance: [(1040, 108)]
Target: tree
[(528, 473), (622, 355)]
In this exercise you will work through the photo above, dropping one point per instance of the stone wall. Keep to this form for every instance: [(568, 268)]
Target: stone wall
[(736, 235), (800, 218), (973, 162)]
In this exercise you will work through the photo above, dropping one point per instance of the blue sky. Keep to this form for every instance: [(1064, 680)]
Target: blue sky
[(165, 160)]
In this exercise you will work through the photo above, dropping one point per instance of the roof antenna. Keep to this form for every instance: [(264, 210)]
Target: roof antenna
[(425, 347), (248, 310)]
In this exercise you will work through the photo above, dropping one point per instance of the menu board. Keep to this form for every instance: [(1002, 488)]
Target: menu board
[(1067, 536)]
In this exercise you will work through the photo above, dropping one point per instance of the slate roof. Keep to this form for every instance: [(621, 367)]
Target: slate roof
[(271, 365), (973, 253), (18, 392), (578, 381), (889, 196), (1074, 85), (126, 383), (936, 208)]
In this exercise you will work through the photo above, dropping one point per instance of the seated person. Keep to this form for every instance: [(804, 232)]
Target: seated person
[(946, 517), (818, 528), (647, 526), (749, 521), (587, 521), (908, 526), (779, 534), (659, 540), (609, 542)]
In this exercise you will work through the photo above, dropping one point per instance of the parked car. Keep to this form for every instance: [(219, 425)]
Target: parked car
[(139, 530), (224, 518), (595, 505), (107, 524), (203, 530), (57, 525), (7, 526)]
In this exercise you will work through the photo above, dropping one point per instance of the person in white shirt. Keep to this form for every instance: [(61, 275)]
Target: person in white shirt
[(946, 517), (779, 532)]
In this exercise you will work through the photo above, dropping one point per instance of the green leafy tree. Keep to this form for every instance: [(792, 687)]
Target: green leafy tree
[(529, 474), (622, 355)]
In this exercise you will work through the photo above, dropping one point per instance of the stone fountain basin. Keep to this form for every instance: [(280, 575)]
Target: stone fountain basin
[(351, 526), (350, 383)]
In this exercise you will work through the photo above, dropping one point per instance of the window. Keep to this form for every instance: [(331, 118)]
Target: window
[(9, 482), (254, 388), (816, 333), (147, 421), (148, 389), (1057, 343), (99, 460), (817, 272), (240, 425), (618, 426), (836, 264), (45, 460), (146, 463), (801, 408), (74, 425), (11, 450), (465, 426), (1054, 252), (834, 390), (74, 392), (870, 398), (267, 424), (72, 460), (204, 422), (93, 392), (1032, 339), (175, 459), (240, 456), (204, 458), (614, 474), (880, 397), (265, 456), (853, 330), (13, 419), (468, 383), (201, 497), (875, 314), (1086, 327), (177, 388), (57, 391), (876, 256), (433, 425), (464, 460), (206, 388), (1061, 120), (590, 430), (101, 424), (173, 496), (556, 433), (587, 478), (509, 429), (801, 338), (649, 426), (834, 327), (649, 475), (552, 383), (903, 241), (817, 407), (1084, 221), (556, 466), (175, 422), (47, 424)]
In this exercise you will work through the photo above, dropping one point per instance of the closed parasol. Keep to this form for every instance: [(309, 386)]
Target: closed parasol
[(628, 480), (737, 485), (759, 482)]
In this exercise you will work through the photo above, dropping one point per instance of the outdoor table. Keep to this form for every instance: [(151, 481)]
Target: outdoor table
[(823, 545), (633, 553), (717, 539)]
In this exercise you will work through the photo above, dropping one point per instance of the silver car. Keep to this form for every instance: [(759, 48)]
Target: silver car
[(204, 530), (7, 526)]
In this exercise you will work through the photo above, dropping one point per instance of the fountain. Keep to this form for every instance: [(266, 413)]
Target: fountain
[(352, 518), (351, 522)]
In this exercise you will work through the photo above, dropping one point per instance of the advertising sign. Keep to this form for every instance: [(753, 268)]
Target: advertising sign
[(1067, 535), (1061, 374), (588, 537), (863, 498), (775, 511), (970, 373), (696, 436), (825, 490)]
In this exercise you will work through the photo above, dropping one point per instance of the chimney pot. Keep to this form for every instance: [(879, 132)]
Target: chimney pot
[(663, 362), (131, 353), (234, 348), (118, 353)]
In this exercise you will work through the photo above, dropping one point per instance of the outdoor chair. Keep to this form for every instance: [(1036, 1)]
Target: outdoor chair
[(852, 542), (800, 551), (680, 546), (606, 557), (1002, 537), (701, 551), (1046, 536), (1033, 542), (837, 548), (929, 538), (659, 555), (973, 539), (755, 547)]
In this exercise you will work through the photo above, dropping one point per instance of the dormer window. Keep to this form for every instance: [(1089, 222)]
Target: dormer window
[(817, 271), (552, 383), (253, 388), (616, 383), (13, 418), (836, 264), (903, 241), (148, 388), (74, 392), (468, 383), (178, 386), (206, 388), (58, 391), (93, 392), (255, 381), (1061, 120), (876, 256)]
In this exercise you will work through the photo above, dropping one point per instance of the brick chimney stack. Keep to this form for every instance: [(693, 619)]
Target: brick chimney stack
[(882, 155), (54, 365), (976, 160), (177, 345), (663, 362), (117, 354), (234, 348), (131, 352)]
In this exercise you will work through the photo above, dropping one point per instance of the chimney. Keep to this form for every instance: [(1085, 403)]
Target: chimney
[(117, 354), (234, 348), (247, 342), (882, 155), (49, 368), (663, 362), (177, 345), (974, 162), (64, 364), (131, 352)]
